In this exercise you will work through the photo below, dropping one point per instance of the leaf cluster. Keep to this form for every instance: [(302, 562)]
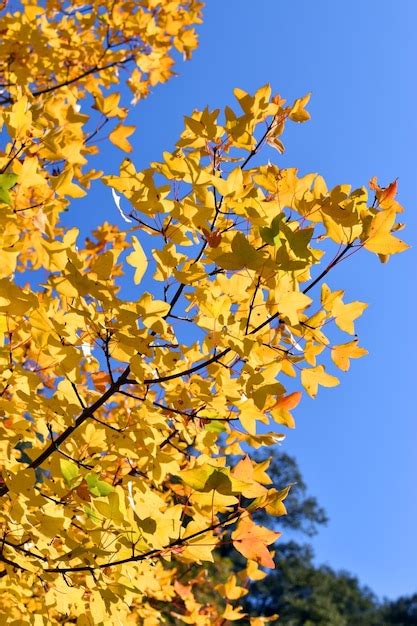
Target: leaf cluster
[(117, 424)]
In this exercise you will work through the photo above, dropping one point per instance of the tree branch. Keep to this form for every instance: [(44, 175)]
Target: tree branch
[(150, 553), (92, 70)]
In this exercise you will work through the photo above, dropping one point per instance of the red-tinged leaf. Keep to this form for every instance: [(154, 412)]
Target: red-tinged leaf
[(373, 184), (289, 402), (252, 541), (388, 194), (213, 238), (100, 381)]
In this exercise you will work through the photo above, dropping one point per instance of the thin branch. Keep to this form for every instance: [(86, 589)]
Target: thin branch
[(67, 456), (86, 413), (107, 356), (150, 553), (92, 70), (7, 561), (80, 400), (130, 395), (259, 144), (97, 130), (252, 302), (20, 548), (117, 430), (124, 378)]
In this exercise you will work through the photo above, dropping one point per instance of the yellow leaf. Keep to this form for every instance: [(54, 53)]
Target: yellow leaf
[(249, 415), (344, 314), (22, 482), (298, 112), (232, 186), (138, 260), (291, 304), (380, 239), (119, 137), (312, 377), (282, 416), (243, 254), (20, 117), (232, 613), (252, 541), (64, 186), (342, 353), (232, 590), (109, 106)]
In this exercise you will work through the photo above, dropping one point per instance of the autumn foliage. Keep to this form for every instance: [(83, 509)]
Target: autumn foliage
[(126, 426)]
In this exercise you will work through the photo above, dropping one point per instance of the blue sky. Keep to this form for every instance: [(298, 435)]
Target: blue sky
[(355, 444)]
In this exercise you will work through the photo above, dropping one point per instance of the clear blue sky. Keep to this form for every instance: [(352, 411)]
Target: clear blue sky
[(356, 444)]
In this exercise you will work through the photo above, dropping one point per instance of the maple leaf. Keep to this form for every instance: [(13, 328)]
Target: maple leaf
[(342, 354), (252, 541), (312, 377), (138, 260), (289, 402), (379, 238), (119, 137), (298, 112)]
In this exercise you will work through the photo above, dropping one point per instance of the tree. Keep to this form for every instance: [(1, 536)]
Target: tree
[(300, 592), (401, 612), (120, 424), (305, 595), (305, 513)]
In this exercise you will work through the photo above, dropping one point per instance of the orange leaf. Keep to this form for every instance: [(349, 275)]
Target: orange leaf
[(213, 238), (252, 541), (389, 192), (100, 380), (83, 492), (373, 184), (289, 402), (386, 195)]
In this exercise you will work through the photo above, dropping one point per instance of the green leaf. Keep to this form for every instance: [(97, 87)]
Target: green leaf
[(216, 426), (207, 478), (268, 234), (6, 182), (96, 486), (69, 470)]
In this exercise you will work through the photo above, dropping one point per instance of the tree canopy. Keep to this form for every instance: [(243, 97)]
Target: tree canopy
[(298, 590), (128, 426)]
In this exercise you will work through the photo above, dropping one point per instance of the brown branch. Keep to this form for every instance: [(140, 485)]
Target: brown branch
[(20, 548), (77, 393), (124, 377), (259, 144), (12, 158), (64, 454), (107, 356), (215, 358), (154, 553), (86, 413), (150, 553), (117, 430), (328, 268), (311, 285), (191, 370), (92, 70), (252, 302), (7, 561)]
